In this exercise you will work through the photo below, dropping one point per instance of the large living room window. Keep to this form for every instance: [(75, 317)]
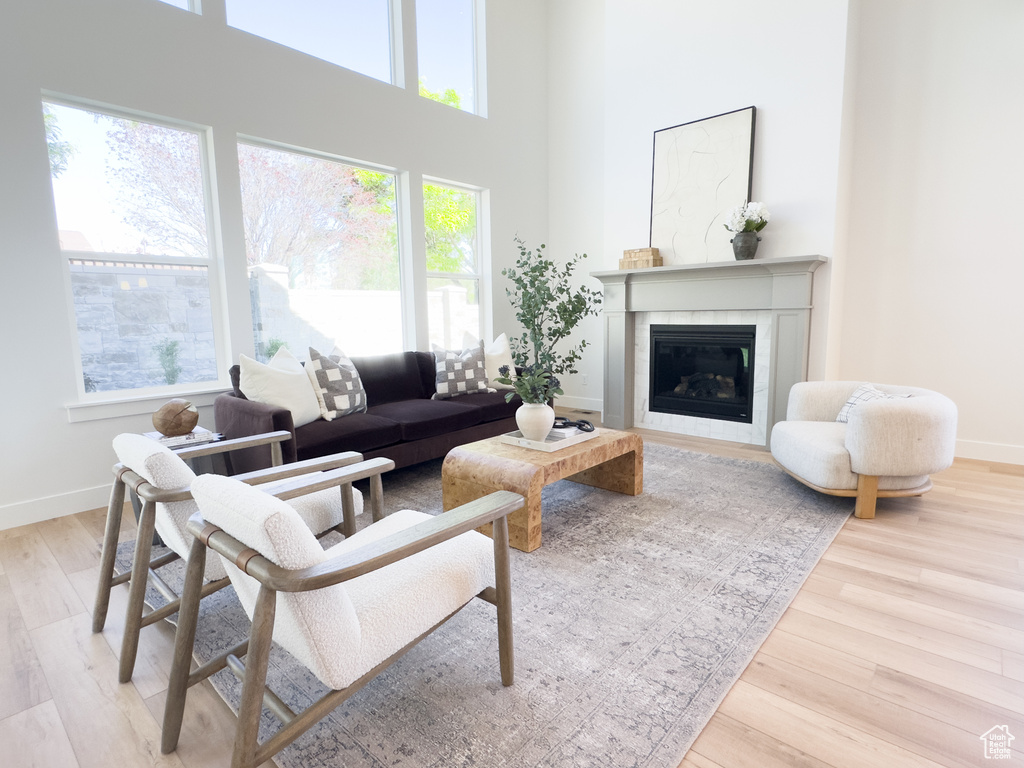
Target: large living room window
[(446, 42), (185, 5), (131, 204), (321, 240), (452, 230), (355, 34)]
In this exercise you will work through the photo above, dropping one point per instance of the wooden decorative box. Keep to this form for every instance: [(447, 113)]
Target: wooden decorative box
[(640, 258)]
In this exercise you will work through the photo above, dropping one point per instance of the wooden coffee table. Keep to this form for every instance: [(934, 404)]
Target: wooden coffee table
[(613, 460)]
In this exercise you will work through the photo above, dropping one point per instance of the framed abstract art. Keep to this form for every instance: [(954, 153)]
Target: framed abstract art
[(702, 170)]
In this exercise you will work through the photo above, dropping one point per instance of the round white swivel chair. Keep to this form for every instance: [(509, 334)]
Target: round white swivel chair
[(849, 438)]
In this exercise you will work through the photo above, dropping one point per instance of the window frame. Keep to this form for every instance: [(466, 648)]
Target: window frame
[(194, 6), (395, 57), (407, 298), (483, 255), (478, 24), (213, 262)]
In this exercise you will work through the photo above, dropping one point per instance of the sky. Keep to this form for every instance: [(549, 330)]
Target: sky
[(85, 196), (356, 34)]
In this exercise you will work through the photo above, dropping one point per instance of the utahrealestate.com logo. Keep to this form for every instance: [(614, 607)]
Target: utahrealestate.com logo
[(997, 743)]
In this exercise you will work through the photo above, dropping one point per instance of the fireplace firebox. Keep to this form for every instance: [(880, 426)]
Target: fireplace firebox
[(703, 370)]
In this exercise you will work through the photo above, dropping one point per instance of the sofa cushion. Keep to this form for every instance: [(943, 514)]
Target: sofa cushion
[(422, 418), (460, 373), (491, 405), (387, 378), (336, 383), (356, 432), (428, 372)]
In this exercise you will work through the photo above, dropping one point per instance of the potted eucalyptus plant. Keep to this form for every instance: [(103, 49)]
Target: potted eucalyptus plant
[(549, 307)]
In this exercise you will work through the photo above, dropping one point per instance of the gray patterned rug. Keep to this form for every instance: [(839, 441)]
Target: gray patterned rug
[(632, 622)]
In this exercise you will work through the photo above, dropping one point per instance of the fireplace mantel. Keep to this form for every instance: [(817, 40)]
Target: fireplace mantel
[(781, 286)]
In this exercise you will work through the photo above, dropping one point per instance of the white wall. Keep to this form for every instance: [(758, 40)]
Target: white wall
[(150, 57), (576, 92), (667, 62), (936, 267)]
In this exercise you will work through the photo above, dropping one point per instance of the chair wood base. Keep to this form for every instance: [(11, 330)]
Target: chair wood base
[(143, 572), (866, 492), (248, 751)]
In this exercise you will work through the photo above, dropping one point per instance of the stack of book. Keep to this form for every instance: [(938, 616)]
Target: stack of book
[(555, 441), (197, 436), (566, 431)]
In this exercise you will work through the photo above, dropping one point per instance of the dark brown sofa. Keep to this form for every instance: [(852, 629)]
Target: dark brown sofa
[(401, 422)]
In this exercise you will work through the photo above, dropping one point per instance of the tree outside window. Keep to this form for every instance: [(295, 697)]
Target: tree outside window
[(453, 263), (446, 45), (322, 248)]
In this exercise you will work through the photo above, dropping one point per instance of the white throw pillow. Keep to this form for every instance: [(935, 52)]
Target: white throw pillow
[(496, 354), (863, 394), (281, 382)]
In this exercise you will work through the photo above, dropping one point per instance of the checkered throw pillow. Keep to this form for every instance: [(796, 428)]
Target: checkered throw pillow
[(336, 382), (460, 373), (863, 394)]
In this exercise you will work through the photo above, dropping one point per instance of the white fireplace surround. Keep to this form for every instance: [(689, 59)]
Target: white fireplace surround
[(772, 294), (755, 432)]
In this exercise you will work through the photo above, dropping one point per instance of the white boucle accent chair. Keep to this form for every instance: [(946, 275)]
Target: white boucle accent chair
[(162, 479), (888, 447), (345, 613)]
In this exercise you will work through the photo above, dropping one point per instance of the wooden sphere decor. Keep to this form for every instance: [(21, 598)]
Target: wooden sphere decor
[(175, 417)]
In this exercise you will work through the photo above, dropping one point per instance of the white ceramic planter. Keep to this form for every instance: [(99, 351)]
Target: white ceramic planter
[(535, 420)]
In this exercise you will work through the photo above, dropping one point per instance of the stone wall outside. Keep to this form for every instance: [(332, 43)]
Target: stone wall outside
[(125, 311)]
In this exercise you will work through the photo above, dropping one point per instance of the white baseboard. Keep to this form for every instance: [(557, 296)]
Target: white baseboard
[(580, 403), (999, 452), (49, 507)]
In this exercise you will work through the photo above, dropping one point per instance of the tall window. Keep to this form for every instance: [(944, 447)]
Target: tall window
[(131, 207), (185, 5), (355, 34), (446, 41), (322, 245), (453, 263)]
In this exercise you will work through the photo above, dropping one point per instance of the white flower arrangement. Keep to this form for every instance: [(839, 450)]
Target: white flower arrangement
[(751, 217)]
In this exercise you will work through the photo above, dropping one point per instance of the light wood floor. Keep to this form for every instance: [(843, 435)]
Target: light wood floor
[(905, 645)]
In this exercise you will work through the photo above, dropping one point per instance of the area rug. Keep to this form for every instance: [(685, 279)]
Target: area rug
[(632, 622)]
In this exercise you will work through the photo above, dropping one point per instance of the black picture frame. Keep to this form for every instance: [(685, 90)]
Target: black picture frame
[(701, 170)]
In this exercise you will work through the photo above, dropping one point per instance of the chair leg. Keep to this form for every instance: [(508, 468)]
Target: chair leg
[(184, 640), (867, 495), (503, 590), (110, 535), (256, 661), (137, 592), (348, 510), (376, 498)]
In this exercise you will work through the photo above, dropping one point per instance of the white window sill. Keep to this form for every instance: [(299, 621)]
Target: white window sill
[(133, 406)]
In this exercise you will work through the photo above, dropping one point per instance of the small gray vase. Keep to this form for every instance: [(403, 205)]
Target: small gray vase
[(744, 245)]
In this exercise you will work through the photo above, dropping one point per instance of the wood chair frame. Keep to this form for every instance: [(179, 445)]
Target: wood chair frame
[(248, 752), (866, 493), (144, 566)]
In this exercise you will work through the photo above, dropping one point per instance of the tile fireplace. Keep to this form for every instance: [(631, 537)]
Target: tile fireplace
[(768, 301)]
